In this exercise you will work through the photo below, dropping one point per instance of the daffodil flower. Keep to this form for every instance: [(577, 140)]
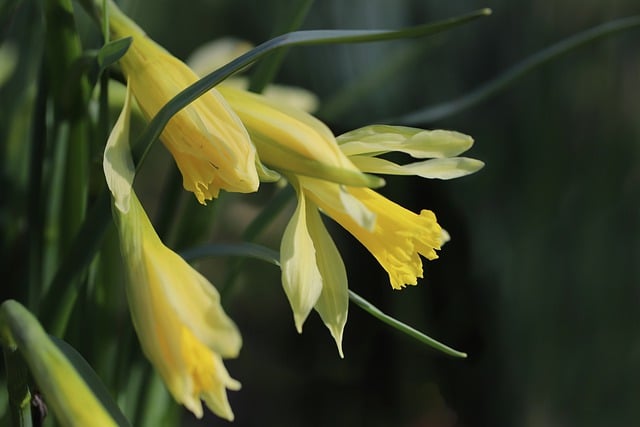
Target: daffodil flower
[(331, 175), (209, 143), (291, 140), (176, 311)]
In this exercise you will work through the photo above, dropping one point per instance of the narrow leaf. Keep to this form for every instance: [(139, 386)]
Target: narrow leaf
[(92, 380), (504, 80), (296, 38), (394, 323), (111, 52), (248, 250)]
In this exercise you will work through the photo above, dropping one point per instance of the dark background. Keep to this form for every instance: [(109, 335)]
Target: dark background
[(540, 283)]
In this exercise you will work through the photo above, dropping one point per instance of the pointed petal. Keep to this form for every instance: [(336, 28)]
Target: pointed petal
[(397, 240), (289, 139), (217, 399), (418, 143), (301, 277), (117, 163), (333, 303), (444, 168)]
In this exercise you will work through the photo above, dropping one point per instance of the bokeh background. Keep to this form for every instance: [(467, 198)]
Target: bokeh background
[(540, 283)]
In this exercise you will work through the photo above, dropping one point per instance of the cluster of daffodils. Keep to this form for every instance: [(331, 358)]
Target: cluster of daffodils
[(225, 140)]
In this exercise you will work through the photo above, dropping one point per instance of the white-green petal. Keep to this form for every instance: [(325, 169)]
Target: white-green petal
[(443, 168), (117, 163), (301, 277), (342, 199), (418, 143), (333, 303)]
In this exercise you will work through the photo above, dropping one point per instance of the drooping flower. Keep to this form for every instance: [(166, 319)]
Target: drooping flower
[(176, 312), (332, 176), (210, 145)]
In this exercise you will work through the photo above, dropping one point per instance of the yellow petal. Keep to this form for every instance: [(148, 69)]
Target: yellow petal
[(444, 168), (176, 311), (301, 277), (333, 303), (207, 140), (398, 237), (418, 143), (117, 163), (177, 314), (290, 140)]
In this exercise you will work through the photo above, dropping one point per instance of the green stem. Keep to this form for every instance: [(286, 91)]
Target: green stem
[(76, 182), (297, 38), (402, 327), (18, 388), (35, 209), (257, 226), (170, 202), (70, 97), (60, 296)]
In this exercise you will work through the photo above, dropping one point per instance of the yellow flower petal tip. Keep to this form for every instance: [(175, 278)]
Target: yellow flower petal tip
[(177, 314), (291, 140), (207, 140), (398, 237)]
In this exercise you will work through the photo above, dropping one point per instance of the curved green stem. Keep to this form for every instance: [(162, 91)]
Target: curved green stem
[(402, 327), (297, 38)]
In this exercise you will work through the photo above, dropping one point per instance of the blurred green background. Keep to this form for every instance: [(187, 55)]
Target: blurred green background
[(541, 281)]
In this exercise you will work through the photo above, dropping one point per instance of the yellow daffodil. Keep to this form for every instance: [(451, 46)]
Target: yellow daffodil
[(65, 391), (291, 140), (331, 175), (176, 311), (210, 145)]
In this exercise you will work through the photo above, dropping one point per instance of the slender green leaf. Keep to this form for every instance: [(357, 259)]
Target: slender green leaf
[(297, 38), (504, 80), (92, 380), (250, 250), (406, 329), (82, 250), (111, 52), (257, 226)]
